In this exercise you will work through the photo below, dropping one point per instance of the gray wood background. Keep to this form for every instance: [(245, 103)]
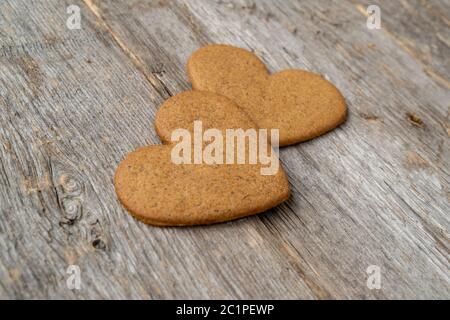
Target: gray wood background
[(375, 191)]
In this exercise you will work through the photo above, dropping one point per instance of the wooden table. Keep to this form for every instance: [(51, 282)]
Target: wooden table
[(374, 192)]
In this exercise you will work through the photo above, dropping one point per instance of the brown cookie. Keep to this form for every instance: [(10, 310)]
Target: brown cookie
[(159, 192), (215, 111), (301, 104)]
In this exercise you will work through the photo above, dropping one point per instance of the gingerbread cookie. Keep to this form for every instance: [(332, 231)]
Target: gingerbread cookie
[(301, 104), (170, 186), (208, 117), (215, 111), (159, 192)]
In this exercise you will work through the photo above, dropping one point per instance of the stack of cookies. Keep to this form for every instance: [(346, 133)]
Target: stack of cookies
[(196, 181)]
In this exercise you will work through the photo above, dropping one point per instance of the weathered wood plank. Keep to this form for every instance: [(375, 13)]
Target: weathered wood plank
[(403, 22), (72, 105), (374, 191)]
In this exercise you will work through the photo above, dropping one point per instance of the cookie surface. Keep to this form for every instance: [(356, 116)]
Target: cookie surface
[(215, 111), (233, 72), (161, 193), (301, 104), (227, 70)]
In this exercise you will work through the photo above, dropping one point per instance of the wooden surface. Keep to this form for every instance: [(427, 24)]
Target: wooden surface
[(375, 191)]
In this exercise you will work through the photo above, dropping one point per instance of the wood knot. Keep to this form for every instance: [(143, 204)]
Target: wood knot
[(72, 208), (99, 244), (415, 120), (69, 183), (70, 200)]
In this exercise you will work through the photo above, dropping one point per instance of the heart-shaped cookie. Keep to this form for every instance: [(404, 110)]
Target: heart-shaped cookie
[(160, 191), (301, 104)]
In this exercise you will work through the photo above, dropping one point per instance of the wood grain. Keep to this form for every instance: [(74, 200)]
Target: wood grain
[(373, 192)]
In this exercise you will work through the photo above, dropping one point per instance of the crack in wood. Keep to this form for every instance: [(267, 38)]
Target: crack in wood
[(154, 81)]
